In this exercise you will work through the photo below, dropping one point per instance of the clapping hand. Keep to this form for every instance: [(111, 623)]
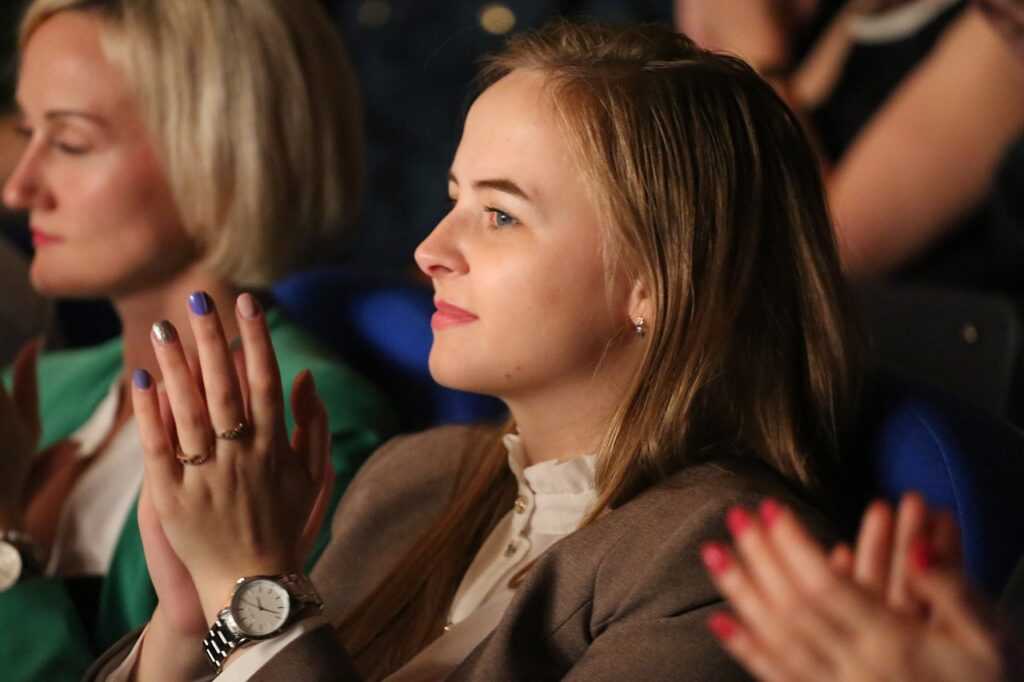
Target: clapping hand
[(897, 608), (227, 494)]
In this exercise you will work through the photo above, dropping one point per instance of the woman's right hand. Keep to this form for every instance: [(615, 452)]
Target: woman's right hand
[(19, 434)]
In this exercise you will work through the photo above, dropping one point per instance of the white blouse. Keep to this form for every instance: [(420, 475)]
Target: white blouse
[(554, 498), (93, 515)]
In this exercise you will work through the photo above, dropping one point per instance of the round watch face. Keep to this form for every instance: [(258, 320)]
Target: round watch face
[(260, 607), (10, 565)]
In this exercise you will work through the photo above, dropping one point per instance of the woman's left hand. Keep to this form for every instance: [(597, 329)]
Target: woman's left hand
[(241, 506), (799, 618)]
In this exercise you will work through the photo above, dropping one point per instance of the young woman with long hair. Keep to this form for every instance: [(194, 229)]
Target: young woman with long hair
[(639, 261)]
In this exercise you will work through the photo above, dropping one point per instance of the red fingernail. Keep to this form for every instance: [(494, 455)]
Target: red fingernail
[(716, 557), (738, 520), (921, 554), (770, 511), (722, 625)]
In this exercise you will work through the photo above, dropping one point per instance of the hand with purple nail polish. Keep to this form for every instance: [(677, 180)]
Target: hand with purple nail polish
[(221, 469)]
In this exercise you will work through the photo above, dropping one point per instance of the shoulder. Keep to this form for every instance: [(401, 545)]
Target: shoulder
[(417, 465), (80, 365), (646, 553), (394, 498), (72, 383)]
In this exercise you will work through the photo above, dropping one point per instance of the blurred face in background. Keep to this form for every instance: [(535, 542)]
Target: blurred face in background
[(524, 299), (100, 208)]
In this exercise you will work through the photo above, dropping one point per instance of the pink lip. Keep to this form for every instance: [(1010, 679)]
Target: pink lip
[(448, 315), (40, 238)]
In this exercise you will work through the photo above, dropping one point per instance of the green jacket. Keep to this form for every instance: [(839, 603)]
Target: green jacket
[(50, 628)]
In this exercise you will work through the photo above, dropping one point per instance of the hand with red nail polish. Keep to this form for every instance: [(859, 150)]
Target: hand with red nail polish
[(802, 614)]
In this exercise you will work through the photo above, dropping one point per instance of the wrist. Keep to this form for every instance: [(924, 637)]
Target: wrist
[(167, 654), (215, 592)]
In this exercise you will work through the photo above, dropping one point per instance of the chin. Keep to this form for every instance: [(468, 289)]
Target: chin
[(53, 282), (456, 372)]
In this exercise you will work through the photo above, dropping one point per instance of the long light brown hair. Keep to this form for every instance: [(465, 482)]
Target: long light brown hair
[(711, 196)]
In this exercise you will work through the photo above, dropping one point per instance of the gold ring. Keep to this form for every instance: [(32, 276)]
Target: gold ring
[(192, 460), (238, 431)]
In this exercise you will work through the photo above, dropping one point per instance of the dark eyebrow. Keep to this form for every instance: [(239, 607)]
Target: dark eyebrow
[(499, 184)]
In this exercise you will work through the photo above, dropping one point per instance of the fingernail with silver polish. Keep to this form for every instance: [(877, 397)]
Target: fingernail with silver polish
[(164, 332)]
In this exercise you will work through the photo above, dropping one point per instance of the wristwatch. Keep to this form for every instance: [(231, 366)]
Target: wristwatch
[(17, 558), (261, 607)]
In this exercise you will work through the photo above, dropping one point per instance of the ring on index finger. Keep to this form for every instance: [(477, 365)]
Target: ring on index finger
[(236, 432)]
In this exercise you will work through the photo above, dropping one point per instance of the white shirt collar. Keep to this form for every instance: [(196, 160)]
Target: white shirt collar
[(96, 429), (558, 493)]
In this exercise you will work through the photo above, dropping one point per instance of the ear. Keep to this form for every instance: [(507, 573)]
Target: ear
[(640, 303)]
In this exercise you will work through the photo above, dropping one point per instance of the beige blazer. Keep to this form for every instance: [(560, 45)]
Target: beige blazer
[(625, 598)]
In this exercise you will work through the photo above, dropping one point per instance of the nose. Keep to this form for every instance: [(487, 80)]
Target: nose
[(23, 189), (440, 254)]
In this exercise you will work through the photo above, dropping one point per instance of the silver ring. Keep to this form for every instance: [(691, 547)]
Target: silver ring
[(237, 432)]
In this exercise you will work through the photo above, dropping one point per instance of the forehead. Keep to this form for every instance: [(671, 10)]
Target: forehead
[(63, 66), (512, 131)]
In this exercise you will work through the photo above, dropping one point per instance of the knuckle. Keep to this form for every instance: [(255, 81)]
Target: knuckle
[(818, 587), (195, 419), (265, 387), (221, 399)]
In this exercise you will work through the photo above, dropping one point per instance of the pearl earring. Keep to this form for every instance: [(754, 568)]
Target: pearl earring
[(640, 326)]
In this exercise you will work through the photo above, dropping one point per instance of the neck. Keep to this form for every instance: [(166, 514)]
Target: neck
[(169, 301), (571, 419)]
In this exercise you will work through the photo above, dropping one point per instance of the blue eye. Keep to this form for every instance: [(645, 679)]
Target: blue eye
[(501, 219)]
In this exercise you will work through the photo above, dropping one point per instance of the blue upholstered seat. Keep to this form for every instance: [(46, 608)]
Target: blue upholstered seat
[(959, 458)]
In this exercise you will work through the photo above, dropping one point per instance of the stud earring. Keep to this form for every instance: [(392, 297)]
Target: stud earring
[(640, 326)]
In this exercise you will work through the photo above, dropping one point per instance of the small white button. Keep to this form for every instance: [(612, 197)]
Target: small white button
[(448, 626)]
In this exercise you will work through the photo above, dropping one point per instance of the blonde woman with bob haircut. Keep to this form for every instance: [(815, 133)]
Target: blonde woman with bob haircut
[(638, 260), (176, 153)]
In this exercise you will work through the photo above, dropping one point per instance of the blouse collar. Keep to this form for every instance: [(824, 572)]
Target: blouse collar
[(559, 493)]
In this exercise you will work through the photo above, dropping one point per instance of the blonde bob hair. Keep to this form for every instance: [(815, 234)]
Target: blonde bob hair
[(712, 197), (254, 110)]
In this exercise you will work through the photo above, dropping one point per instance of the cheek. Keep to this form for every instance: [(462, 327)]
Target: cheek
[(123, 233), (541, 320)]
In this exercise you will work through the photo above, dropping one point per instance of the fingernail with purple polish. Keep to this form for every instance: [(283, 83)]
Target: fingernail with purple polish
[(200, 303), (164, 332), (142, 379)]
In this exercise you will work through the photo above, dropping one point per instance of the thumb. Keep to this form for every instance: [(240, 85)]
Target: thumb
[(310, 423), (26, 387), (951, 601)]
